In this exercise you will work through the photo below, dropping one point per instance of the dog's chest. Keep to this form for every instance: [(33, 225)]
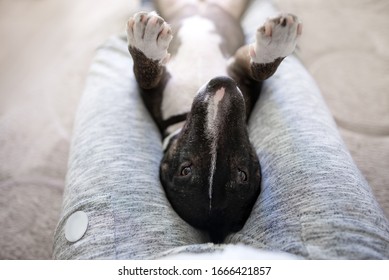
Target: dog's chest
[(197, 60)]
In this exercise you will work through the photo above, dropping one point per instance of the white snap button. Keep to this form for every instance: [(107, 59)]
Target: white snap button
[(76, 226)]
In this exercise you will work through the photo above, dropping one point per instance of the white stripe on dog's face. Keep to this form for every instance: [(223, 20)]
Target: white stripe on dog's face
[(212, 130), (212, 110)]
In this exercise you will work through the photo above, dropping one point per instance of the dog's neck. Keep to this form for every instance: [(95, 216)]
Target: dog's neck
[(199, 40), (199, 44)]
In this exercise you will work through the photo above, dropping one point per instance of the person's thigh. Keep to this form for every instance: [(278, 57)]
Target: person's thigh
[(113, 173), (314, 201)]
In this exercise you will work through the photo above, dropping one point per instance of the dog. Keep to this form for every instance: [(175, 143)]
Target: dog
[(200, 82)]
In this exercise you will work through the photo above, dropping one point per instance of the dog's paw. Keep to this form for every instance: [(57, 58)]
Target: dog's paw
[(277, 38), (150, 34)]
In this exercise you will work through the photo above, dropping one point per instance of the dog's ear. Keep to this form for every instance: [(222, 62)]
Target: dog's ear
[(168, 160), (184, 177)]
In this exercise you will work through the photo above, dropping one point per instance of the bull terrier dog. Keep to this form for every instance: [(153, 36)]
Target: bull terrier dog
[(199, 82)]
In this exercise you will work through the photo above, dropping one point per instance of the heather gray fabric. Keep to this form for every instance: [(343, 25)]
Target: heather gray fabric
[(113, 171), (314, 202)]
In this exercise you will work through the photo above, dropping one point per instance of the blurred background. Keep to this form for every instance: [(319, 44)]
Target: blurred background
[(45, 52)]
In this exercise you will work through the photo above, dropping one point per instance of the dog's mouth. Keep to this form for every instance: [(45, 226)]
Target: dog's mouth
[(211, 172)]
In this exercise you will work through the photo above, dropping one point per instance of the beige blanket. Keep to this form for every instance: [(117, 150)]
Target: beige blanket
[(44, 56)]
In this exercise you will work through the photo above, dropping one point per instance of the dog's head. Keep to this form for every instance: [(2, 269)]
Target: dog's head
[(210, 171)]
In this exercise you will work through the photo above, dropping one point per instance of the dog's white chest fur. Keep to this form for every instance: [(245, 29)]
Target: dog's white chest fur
[(197, 60)]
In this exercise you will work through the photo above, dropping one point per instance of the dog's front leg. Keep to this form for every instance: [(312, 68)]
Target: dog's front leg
[(148, 37), (275, 40)]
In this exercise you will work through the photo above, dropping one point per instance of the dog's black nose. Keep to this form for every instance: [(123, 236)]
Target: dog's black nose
[(222, 81)]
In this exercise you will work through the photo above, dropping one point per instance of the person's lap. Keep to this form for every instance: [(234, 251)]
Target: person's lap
[(314, 201)]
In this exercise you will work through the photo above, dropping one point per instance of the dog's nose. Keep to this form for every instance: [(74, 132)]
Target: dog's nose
[(222, 81)]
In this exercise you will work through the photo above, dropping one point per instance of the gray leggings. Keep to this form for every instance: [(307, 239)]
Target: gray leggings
[(314, 203)]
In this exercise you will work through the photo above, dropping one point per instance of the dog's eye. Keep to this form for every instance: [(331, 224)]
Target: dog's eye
[(185, 171), (242, 175)]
